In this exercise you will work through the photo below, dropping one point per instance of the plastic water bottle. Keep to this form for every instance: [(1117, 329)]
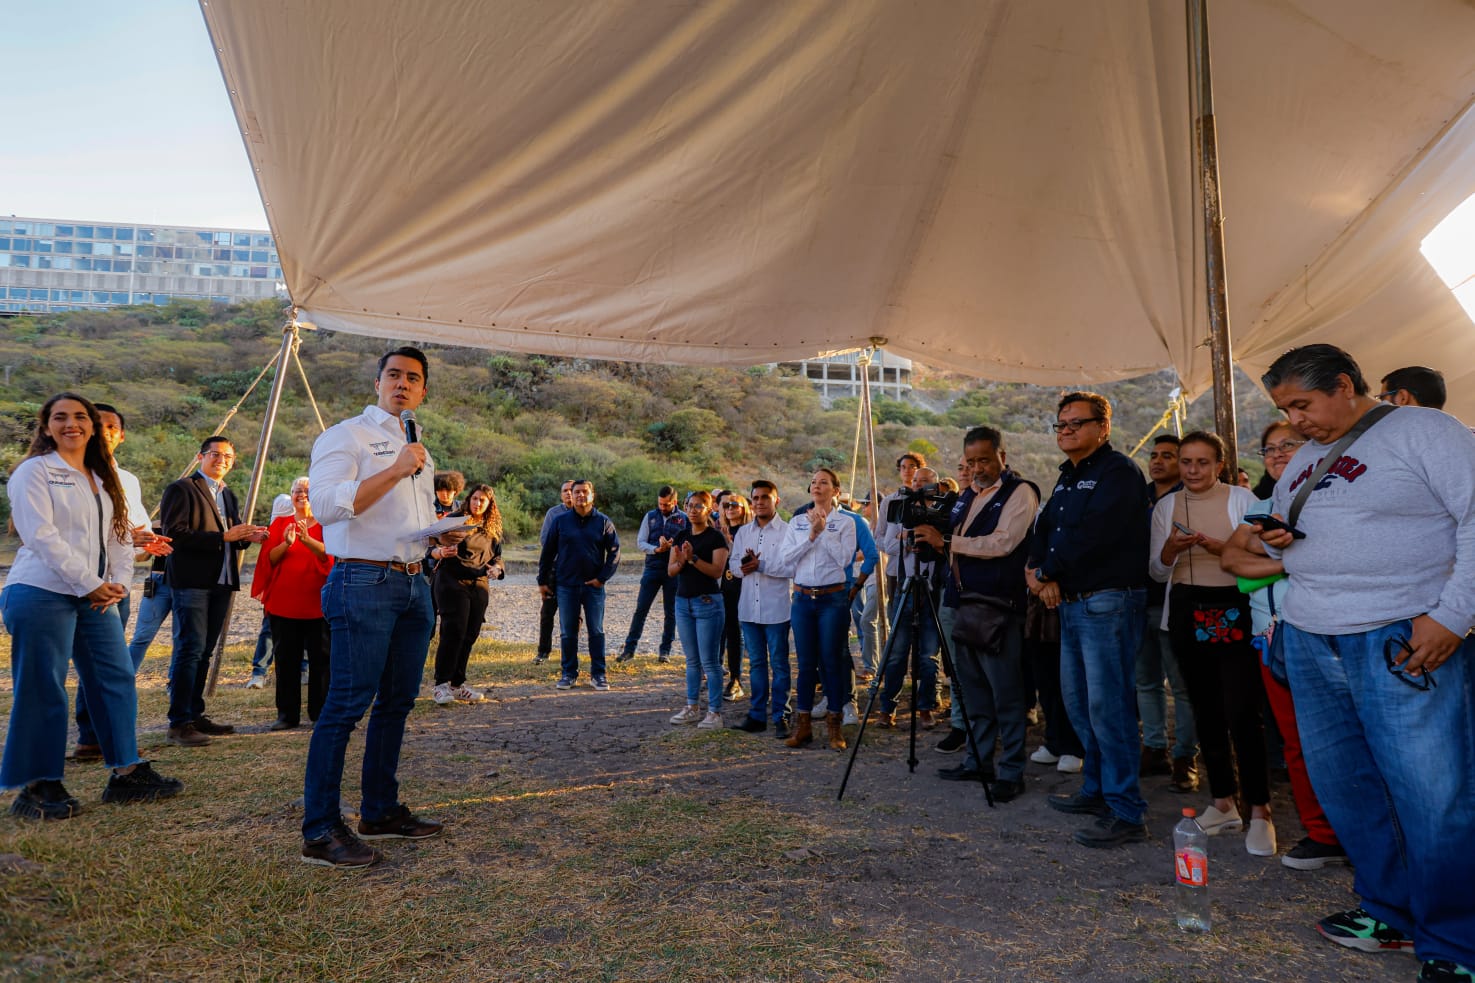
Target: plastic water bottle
[(1191, 860)]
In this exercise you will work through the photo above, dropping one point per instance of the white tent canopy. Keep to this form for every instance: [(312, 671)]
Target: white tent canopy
[(998, 186)]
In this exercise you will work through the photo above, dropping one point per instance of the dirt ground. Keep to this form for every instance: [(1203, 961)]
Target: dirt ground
[(952, 889)]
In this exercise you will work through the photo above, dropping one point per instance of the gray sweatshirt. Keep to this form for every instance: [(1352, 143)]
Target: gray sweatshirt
[(1390, 529)]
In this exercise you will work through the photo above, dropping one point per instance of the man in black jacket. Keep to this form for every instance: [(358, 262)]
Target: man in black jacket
[(1089, 560), (201, 516)]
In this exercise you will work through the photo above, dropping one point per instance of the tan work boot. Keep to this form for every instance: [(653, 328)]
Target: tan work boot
[(803, 731), (837, 736)]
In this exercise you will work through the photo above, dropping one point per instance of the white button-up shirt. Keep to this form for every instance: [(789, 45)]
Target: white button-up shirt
[(821, 562), (138, 513), (765, 596), (57, 517), (343, 457)]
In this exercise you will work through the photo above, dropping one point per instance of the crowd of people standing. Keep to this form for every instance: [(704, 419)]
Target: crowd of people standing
[(1321, 624)]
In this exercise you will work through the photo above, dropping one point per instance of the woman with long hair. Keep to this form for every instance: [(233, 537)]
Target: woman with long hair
[(819, 545), (290, 589), (1208, 619), (1244, 557), (461, 592), (735, 512), (60, 604), (698, 559)]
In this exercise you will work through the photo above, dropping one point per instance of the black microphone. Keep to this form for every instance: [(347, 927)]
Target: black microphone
[(412, 430)]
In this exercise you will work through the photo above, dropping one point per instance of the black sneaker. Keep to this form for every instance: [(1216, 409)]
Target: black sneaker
[(954, 741), (781, 729), (46, 799), (962, 773), (664, 657), (540, 657), (142, 784), (401, 824), (1444, 971), (749, 725), (1311, 855), (1079, 805), (1112, 830), (1356, 929), (625, 657), (340, 849)]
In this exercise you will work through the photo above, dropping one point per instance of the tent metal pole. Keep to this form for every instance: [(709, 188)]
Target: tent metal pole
[(279, 378), (1216, 279), (865, 399)]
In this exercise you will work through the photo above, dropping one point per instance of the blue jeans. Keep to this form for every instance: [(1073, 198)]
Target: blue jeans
[(1155, 659), (199, 615), (265, 650), (863, 615), (381, 621), (151, 614), (86, 733), (1394, 768), (821, 628), (699, 621), (654, 581), (1099, 636), (768, 670), (47, 630), (899, 660), (571, 600)]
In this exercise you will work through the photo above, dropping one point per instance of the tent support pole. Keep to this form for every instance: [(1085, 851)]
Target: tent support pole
[(865, 405), (289, 342), (1206, 164)]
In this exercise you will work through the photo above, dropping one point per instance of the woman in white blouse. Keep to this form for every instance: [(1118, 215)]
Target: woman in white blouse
[(1209, 621), (818, 546), (60, 604)]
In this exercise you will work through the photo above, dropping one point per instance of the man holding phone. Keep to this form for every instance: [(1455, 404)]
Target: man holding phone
[(1379, 604), (763, 611)]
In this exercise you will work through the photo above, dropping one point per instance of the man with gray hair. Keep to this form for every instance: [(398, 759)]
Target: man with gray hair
[(1380, 599)]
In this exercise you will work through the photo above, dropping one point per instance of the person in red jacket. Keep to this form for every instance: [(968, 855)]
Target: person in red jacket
[(291, 572)]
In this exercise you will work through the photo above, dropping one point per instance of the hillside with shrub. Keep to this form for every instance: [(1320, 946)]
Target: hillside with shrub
[(523, 423)]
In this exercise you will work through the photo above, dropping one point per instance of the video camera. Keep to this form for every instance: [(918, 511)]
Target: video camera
[(930, 505)]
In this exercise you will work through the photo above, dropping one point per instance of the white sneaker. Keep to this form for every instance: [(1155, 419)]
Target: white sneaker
[(443, 694), (820, 708), (850, 716), (1070, 764), (712, 721), (687, 716), (1261, 840), (1042, 756), (1215, 822), (466, 694), (256, 682)]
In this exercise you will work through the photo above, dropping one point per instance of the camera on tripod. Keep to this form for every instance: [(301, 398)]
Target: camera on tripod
[(930, 505)]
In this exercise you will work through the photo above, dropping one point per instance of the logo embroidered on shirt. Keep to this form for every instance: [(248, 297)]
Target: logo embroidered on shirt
[(382, 448)]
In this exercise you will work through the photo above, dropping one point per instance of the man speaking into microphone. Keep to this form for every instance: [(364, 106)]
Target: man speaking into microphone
[(372, 489)]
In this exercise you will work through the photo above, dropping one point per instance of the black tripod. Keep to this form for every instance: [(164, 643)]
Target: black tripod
[(915, 597)]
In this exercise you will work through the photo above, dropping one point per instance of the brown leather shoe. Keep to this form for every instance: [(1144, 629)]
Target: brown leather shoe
[(834, 722), (1185, 775), (340, 849), (401, 824), (205, 725), (926, 720), (187, 736), (803, 730), (87, 752), (1155, 761)]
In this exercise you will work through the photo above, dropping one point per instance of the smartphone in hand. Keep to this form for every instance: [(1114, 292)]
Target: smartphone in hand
[(1184, 529), (1271, 522)]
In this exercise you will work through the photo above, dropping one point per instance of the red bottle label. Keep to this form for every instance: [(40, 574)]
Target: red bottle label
[(1193, 868)]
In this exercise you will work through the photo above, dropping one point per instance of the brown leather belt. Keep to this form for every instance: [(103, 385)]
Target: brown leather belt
[(818, 591), (409, 568)]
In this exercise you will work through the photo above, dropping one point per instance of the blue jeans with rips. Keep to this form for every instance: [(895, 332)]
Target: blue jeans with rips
[(821, 625), (199, 616), (48, 630), (699, 622), (1394, 768), (381, 621), (653, 581), (1099, 637), (768, 670), (1155, 659), (572, 601)]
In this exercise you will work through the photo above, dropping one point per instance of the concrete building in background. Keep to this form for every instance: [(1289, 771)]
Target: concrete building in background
[(62, 265), (839, 375)]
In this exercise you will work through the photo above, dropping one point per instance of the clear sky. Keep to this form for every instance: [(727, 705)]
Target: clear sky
[(114, 110)]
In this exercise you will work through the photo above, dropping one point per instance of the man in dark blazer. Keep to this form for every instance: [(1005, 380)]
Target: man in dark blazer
[(201, 516)]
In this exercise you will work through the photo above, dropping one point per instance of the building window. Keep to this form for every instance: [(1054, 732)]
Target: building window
[(84, 232), (125, 235), (104, 231)]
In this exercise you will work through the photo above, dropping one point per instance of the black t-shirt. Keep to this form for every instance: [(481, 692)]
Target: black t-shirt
[(690, 582)]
